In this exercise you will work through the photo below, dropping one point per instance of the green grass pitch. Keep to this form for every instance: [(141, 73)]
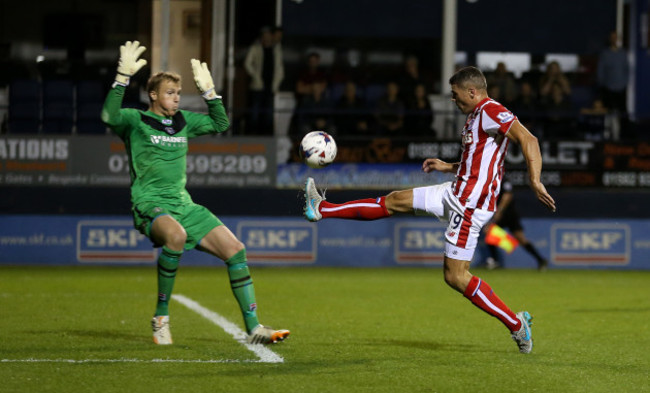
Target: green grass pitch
[(353, 330)]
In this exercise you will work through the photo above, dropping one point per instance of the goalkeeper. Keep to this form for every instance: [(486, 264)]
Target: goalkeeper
[(156, 144)]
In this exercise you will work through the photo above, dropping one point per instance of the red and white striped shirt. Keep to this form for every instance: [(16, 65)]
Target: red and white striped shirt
[(479, 175)]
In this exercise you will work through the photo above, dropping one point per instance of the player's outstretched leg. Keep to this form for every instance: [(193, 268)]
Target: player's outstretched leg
[(523, 337), (244, 291), (167, 266), (316, 208)]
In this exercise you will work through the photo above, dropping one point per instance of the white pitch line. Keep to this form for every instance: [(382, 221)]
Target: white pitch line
[(126, 360), (264, 354)]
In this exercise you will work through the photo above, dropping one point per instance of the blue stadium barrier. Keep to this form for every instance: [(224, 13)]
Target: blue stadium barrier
[(286, 241)]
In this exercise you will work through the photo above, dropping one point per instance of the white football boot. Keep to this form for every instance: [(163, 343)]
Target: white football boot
[(523, 336), (161, 333), (266, 335), (312, 201)]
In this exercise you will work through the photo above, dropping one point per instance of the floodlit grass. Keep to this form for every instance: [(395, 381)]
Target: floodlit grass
[(366, 330)]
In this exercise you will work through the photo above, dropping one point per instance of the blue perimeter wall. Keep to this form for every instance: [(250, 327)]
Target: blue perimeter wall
[(287, 241)]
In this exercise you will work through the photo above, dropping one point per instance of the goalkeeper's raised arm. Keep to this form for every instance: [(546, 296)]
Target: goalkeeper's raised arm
[(203, 80), (128, 65), (217, 119), (129, 62)]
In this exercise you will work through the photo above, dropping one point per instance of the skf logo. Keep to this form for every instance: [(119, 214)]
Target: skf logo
[(112, 241), (590, 244), (278, 241), (421, 242)]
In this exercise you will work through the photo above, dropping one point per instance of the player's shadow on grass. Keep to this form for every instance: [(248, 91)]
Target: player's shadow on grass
[(98, 334), (612, 309), (428, 345)]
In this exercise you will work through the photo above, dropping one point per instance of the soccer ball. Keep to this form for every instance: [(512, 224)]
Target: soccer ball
[(318, 149)]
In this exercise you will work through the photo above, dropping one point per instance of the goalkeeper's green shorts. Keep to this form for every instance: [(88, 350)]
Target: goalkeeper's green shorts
[(197, 220)]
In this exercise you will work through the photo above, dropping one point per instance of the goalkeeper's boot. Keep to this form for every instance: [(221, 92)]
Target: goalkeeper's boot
[(523, 336), (161, 333), (266, 335), (312, 201)]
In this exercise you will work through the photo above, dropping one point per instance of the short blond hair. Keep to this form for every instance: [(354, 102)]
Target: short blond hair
[(156, 79)]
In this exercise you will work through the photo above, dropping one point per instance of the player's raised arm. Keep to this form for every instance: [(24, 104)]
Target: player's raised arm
[(217, 119), (203, 80), (435, 164), (530, 149), (128, 65)]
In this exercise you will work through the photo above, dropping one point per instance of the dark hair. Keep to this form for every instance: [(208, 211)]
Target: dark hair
[(469, 76)]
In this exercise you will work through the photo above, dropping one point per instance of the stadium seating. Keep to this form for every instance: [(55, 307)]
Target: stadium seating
[(582, 96), (374, 92), (24, 106), (90, 99), (58, 106)]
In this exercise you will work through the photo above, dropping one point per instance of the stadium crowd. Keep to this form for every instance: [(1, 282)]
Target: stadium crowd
[(345, 100)]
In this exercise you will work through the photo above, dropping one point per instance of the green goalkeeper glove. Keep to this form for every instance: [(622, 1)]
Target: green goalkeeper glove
[(203, 80), (129, 63)]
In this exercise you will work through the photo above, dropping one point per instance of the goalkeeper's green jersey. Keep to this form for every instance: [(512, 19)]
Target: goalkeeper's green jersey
[(157, 145)]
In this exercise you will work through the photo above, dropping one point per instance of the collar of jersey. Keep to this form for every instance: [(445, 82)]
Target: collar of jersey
[(481, 103), (155, 121)]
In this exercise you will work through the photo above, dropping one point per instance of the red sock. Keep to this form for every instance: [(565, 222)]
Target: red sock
[(362, 209), (483, 297)]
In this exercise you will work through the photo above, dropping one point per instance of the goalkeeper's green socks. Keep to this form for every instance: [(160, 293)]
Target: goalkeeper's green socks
[(167, 266), (242, 287)]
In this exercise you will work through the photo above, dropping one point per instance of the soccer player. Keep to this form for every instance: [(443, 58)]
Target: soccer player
[(156, 144), (507, 216), (468, 203)]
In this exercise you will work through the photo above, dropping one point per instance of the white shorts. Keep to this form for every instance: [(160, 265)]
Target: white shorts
[(465, 224)]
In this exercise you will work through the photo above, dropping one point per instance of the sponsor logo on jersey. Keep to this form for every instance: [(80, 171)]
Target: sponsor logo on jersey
[(603, 244), (419, 243), (112, 241), (468, 138), (505, 117), (167, 122), (275, 241), (164, 140)]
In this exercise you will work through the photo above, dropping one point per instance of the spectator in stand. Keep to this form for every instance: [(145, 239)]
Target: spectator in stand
[(389, 111), (613, 77), (554, 76), (419, 114), (526, 105), (410, 78), (315, 112), (278, 33), (351, 116), (559, 114), (503, 78), (309, 77), (265, 67), (494, 92), (593, 121)]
